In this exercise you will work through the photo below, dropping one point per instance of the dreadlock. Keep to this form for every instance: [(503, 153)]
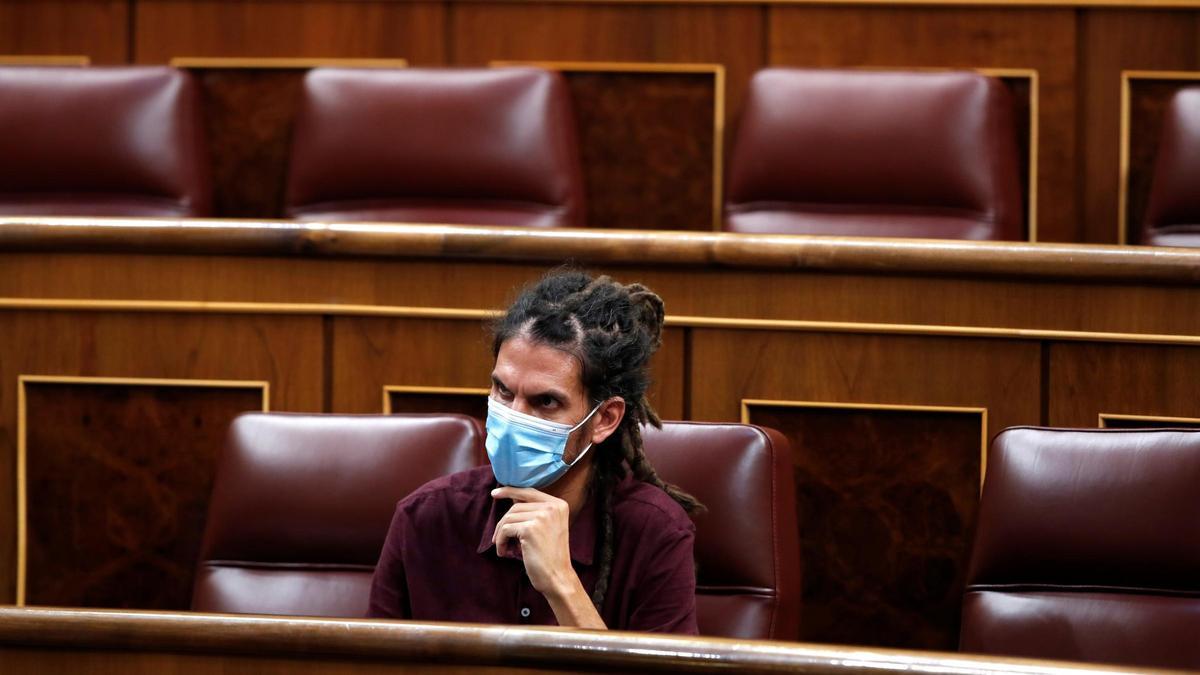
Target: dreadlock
[(613, 330)]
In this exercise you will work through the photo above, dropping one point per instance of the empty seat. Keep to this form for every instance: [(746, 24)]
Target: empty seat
[(747, 544), (1173, 211), (472, 146), (121, 141), (881, 154), (301, 506), (1087, 548)]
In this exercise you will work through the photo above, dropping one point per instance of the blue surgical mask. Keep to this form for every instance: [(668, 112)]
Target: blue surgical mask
[(527, 451)]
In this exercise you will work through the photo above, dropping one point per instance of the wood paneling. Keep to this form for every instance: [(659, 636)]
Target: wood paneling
[(118, 481), (94, 28), (1041, 39), (646, 143), (434, 401), (293, 28), (885, 500), (285, 351), (1113, 40), (248, 116), (866, 588), (731, 35), (1089, 379)]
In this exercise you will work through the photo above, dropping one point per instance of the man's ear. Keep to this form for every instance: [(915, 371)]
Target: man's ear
[(607, 419)]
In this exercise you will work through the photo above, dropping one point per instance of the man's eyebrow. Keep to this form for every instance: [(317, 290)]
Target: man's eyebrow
[(496, 381)]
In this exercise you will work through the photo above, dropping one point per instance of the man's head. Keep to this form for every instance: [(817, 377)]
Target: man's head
[(571, 345)]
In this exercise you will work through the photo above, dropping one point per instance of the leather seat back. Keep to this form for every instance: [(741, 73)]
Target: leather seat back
[(301, 505), (747, 544), (111, 141), (1173, 211), (867, 153), (489, 146), (1087, 547)]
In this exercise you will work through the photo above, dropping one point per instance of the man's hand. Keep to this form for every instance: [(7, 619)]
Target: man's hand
[(540, 525)]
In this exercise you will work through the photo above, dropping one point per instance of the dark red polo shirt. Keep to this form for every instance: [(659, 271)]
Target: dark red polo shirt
[(439, 563)]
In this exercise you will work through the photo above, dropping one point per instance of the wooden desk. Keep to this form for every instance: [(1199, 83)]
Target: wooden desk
[(54, 641), (126, 346)]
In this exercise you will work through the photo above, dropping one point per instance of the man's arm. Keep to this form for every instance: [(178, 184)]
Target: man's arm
[(666, 590), (541, 524)]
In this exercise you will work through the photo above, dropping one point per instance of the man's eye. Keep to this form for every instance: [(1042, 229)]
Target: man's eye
[(547, 401)]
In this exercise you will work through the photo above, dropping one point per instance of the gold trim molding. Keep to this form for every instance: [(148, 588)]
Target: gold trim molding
[(747, 403), (77, 60), (717, 70), (23, 380), (1105, 417), (675, 320), (404, 389), (200, 62)]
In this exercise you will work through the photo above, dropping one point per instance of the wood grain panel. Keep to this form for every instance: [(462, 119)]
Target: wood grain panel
[(286, 351), (369, 354), (118, 482), (1113, 40), (1147, 103), (1118, 421), (290, 28), (933, 460), (95, 28), (1089, 379), (886, 500), (248, 116), (959, 37), (646, 143), (549, 31), (432, 400)]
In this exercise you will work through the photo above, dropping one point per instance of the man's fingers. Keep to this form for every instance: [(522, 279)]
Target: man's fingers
[(506, 533), (522, 494)]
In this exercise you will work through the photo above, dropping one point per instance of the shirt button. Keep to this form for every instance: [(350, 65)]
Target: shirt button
[(525, 612)]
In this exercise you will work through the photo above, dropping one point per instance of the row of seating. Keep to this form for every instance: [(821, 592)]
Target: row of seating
[(834, 152), (1086, 545)]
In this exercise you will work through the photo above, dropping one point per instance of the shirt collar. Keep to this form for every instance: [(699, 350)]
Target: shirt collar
[(582, 533)]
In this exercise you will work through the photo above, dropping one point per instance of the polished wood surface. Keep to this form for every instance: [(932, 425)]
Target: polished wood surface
[(330, 315), (191, 643)]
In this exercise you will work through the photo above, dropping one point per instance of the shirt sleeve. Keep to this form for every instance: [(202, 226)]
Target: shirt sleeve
[(389, 586), (667, 591)]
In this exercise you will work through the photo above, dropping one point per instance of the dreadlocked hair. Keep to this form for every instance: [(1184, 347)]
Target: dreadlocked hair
[(613, 329)]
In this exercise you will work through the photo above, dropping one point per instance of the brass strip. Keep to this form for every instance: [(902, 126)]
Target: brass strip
[(1104, 417), (982, 412), (404, 389), (48, 60), (1127, 77), (22, 446), (401, 312), (717, 70), (271, 62)]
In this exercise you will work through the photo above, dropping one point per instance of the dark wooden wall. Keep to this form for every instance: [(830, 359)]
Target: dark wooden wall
[(1078, 52), (887, 399)]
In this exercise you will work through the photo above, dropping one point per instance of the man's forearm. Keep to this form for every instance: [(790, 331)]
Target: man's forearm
[(572, 606)]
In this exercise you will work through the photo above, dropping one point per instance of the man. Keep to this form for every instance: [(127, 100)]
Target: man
[(569, 525)]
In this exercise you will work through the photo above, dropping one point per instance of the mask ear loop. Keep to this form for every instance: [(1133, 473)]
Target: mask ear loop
[(589, 445)]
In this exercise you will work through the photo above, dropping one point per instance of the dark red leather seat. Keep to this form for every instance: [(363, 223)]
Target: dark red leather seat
[(747, 544), (472, 146), (1087, 548), (1173, 211), (120, 141), (301, 505), (879, 154)]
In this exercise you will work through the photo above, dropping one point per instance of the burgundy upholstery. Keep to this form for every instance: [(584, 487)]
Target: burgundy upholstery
[(120, 141), (490, 146), (1173, 212), (881, 154), (1087, 548), (747, 544), (302, 503)]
